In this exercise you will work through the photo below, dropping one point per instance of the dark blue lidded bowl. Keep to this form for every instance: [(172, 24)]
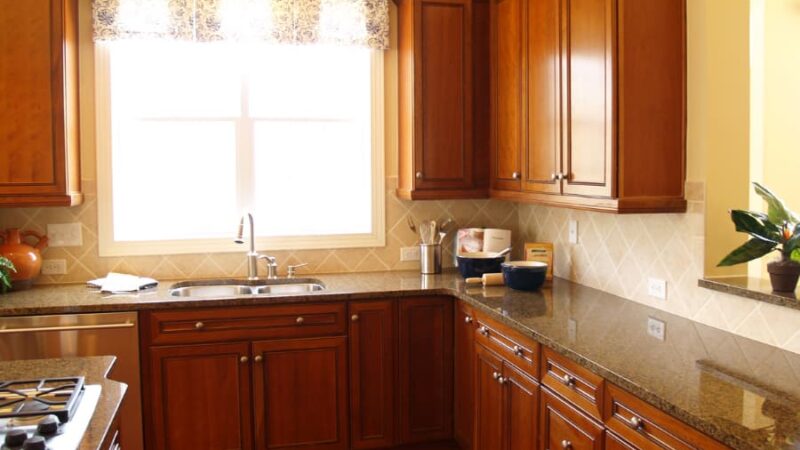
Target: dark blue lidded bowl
[(472, 265), (524, 275)]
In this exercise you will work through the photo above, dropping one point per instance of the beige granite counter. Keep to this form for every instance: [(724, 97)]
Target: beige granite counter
[(94, 369), (744, 393)]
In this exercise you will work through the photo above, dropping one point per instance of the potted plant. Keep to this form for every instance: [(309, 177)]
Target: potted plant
[(6, 267), (777, 230)]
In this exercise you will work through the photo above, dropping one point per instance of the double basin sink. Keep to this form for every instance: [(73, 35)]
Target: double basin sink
[(237, 288)]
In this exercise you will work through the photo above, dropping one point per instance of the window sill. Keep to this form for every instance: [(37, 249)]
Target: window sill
[(752, 288)]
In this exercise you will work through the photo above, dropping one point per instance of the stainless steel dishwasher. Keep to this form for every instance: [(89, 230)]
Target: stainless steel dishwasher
[(59, 336)]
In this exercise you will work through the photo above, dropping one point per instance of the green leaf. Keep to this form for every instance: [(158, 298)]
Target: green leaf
[(753, 249), (796, 255), (776, 209), (793, 243), (752, 223)]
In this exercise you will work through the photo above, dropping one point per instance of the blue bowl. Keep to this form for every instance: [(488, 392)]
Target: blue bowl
[(473, 265), (524, 275)]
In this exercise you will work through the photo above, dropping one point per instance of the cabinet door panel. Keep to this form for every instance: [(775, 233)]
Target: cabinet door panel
[(372, 374), (589, 93), (443, 155), (522, 409), (544, 97), (300, 389), (563, 427), (464, 375), (199, 397), (489, 401), (508, 92), (426, 369)]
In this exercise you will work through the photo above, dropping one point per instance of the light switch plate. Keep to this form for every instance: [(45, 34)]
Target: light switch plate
[(656, 328), (409, 254), (65, 234), (573, 231), (54, 267), (657, 288)]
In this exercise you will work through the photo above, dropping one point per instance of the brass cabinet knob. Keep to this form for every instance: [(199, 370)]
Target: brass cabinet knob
[(244, 359), (468, 320), (518, 350), (300, 320), (554, 176), (354, 317), (258, 358), (496, 375), (483, 330), (568, 379), (199, 325), (636, 423), (566, 445), (419, 175), (516, 175)]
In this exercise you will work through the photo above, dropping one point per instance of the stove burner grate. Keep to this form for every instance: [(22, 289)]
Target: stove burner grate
[(34, 398)]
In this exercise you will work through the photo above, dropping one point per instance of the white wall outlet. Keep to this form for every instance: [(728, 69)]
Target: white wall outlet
[(573, 231), (409, 253), (657, 288), (572, 330), (656, 328), (65, 234), (54, 267)]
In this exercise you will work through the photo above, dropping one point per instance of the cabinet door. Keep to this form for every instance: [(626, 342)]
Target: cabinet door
[(38, 103), (544, 97), (443, 157), (426, 369), (613, 442), (588, 90), (372, 374), (489, 402), (198, 397), (300, 393), (508, 92), (464, 374), (565, 428), (522, 409)]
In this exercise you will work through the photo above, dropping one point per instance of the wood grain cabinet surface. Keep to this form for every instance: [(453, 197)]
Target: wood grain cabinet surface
[(39, 163), (599, 120), (443, 85)]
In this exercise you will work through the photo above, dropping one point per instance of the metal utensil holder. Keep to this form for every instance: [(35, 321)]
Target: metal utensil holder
[(430, 258)]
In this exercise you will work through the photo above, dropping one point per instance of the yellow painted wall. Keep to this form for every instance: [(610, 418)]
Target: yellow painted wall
[(718, 115)]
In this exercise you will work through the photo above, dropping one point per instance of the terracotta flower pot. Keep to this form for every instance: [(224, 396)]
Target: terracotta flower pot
[(27, 259), (783, 274)]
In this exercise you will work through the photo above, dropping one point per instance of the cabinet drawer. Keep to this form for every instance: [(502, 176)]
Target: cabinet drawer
[(576, 384), (509, 344), (221, 324), (646, 427)]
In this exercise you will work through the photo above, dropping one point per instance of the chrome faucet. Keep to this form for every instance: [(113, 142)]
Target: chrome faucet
[(252, 255)]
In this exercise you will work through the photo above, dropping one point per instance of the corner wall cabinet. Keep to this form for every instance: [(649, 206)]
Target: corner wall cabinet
[(39, 164)]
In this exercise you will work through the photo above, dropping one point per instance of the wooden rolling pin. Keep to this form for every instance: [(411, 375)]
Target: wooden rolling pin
[(488, 279)]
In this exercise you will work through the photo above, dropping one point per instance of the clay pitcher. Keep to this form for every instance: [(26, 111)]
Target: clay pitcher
[(27, 259)]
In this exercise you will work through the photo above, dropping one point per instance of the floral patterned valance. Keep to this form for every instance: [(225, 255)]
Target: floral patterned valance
[(343, 22)]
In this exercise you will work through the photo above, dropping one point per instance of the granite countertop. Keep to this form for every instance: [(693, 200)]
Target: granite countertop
[(94, 369), (754, 288), (743, 393)]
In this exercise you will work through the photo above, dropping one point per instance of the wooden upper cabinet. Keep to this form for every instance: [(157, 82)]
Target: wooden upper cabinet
[(441, 152), (507, 33), (605, 105), (39, 103)]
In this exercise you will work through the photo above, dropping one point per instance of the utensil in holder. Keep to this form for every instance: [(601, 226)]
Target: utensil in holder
[(430, 258)]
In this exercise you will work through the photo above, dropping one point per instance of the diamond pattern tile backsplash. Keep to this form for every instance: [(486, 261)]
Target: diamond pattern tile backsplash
[(615, 253)]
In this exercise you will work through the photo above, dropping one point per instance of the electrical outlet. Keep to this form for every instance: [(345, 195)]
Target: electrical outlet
[(657, 288), (54, 267), (656, 328), (573, 231), (65, 234), (409, 254)]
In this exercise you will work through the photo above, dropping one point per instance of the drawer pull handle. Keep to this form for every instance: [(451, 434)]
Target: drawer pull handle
[(199, 325), (484, 331), (244, 359), (258, 358), (354, 317), (568, 380), (566, 445), (468, 320), (518, 351), (300, 320), (636, 423)]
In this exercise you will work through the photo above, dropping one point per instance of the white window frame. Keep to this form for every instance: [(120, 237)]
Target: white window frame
[(107, 246)]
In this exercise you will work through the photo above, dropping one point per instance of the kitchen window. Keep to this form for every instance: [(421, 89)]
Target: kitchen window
[(192, 135)]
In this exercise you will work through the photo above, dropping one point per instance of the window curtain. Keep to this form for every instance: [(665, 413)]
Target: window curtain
[(363, 23)]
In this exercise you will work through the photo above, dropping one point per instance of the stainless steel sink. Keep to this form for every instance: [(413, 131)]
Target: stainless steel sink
[(238, 288)]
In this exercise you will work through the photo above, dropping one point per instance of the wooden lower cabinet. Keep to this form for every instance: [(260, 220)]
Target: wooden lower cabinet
[(488, 400), (563, 427), (614, 442), (521, 409), (463, 402), (198, 397)]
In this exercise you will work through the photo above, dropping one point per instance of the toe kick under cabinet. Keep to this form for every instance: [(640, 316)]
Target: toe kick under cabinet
[(326, 376)]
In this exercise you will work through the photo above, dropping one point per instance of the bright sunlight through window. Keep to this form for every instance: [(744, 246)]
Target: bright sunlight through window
[(200, 133)]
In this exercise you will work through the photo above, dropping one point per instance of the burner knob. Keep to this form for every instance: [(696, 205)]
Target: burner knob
[(35, 443), (15, 437), (48, 426)]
